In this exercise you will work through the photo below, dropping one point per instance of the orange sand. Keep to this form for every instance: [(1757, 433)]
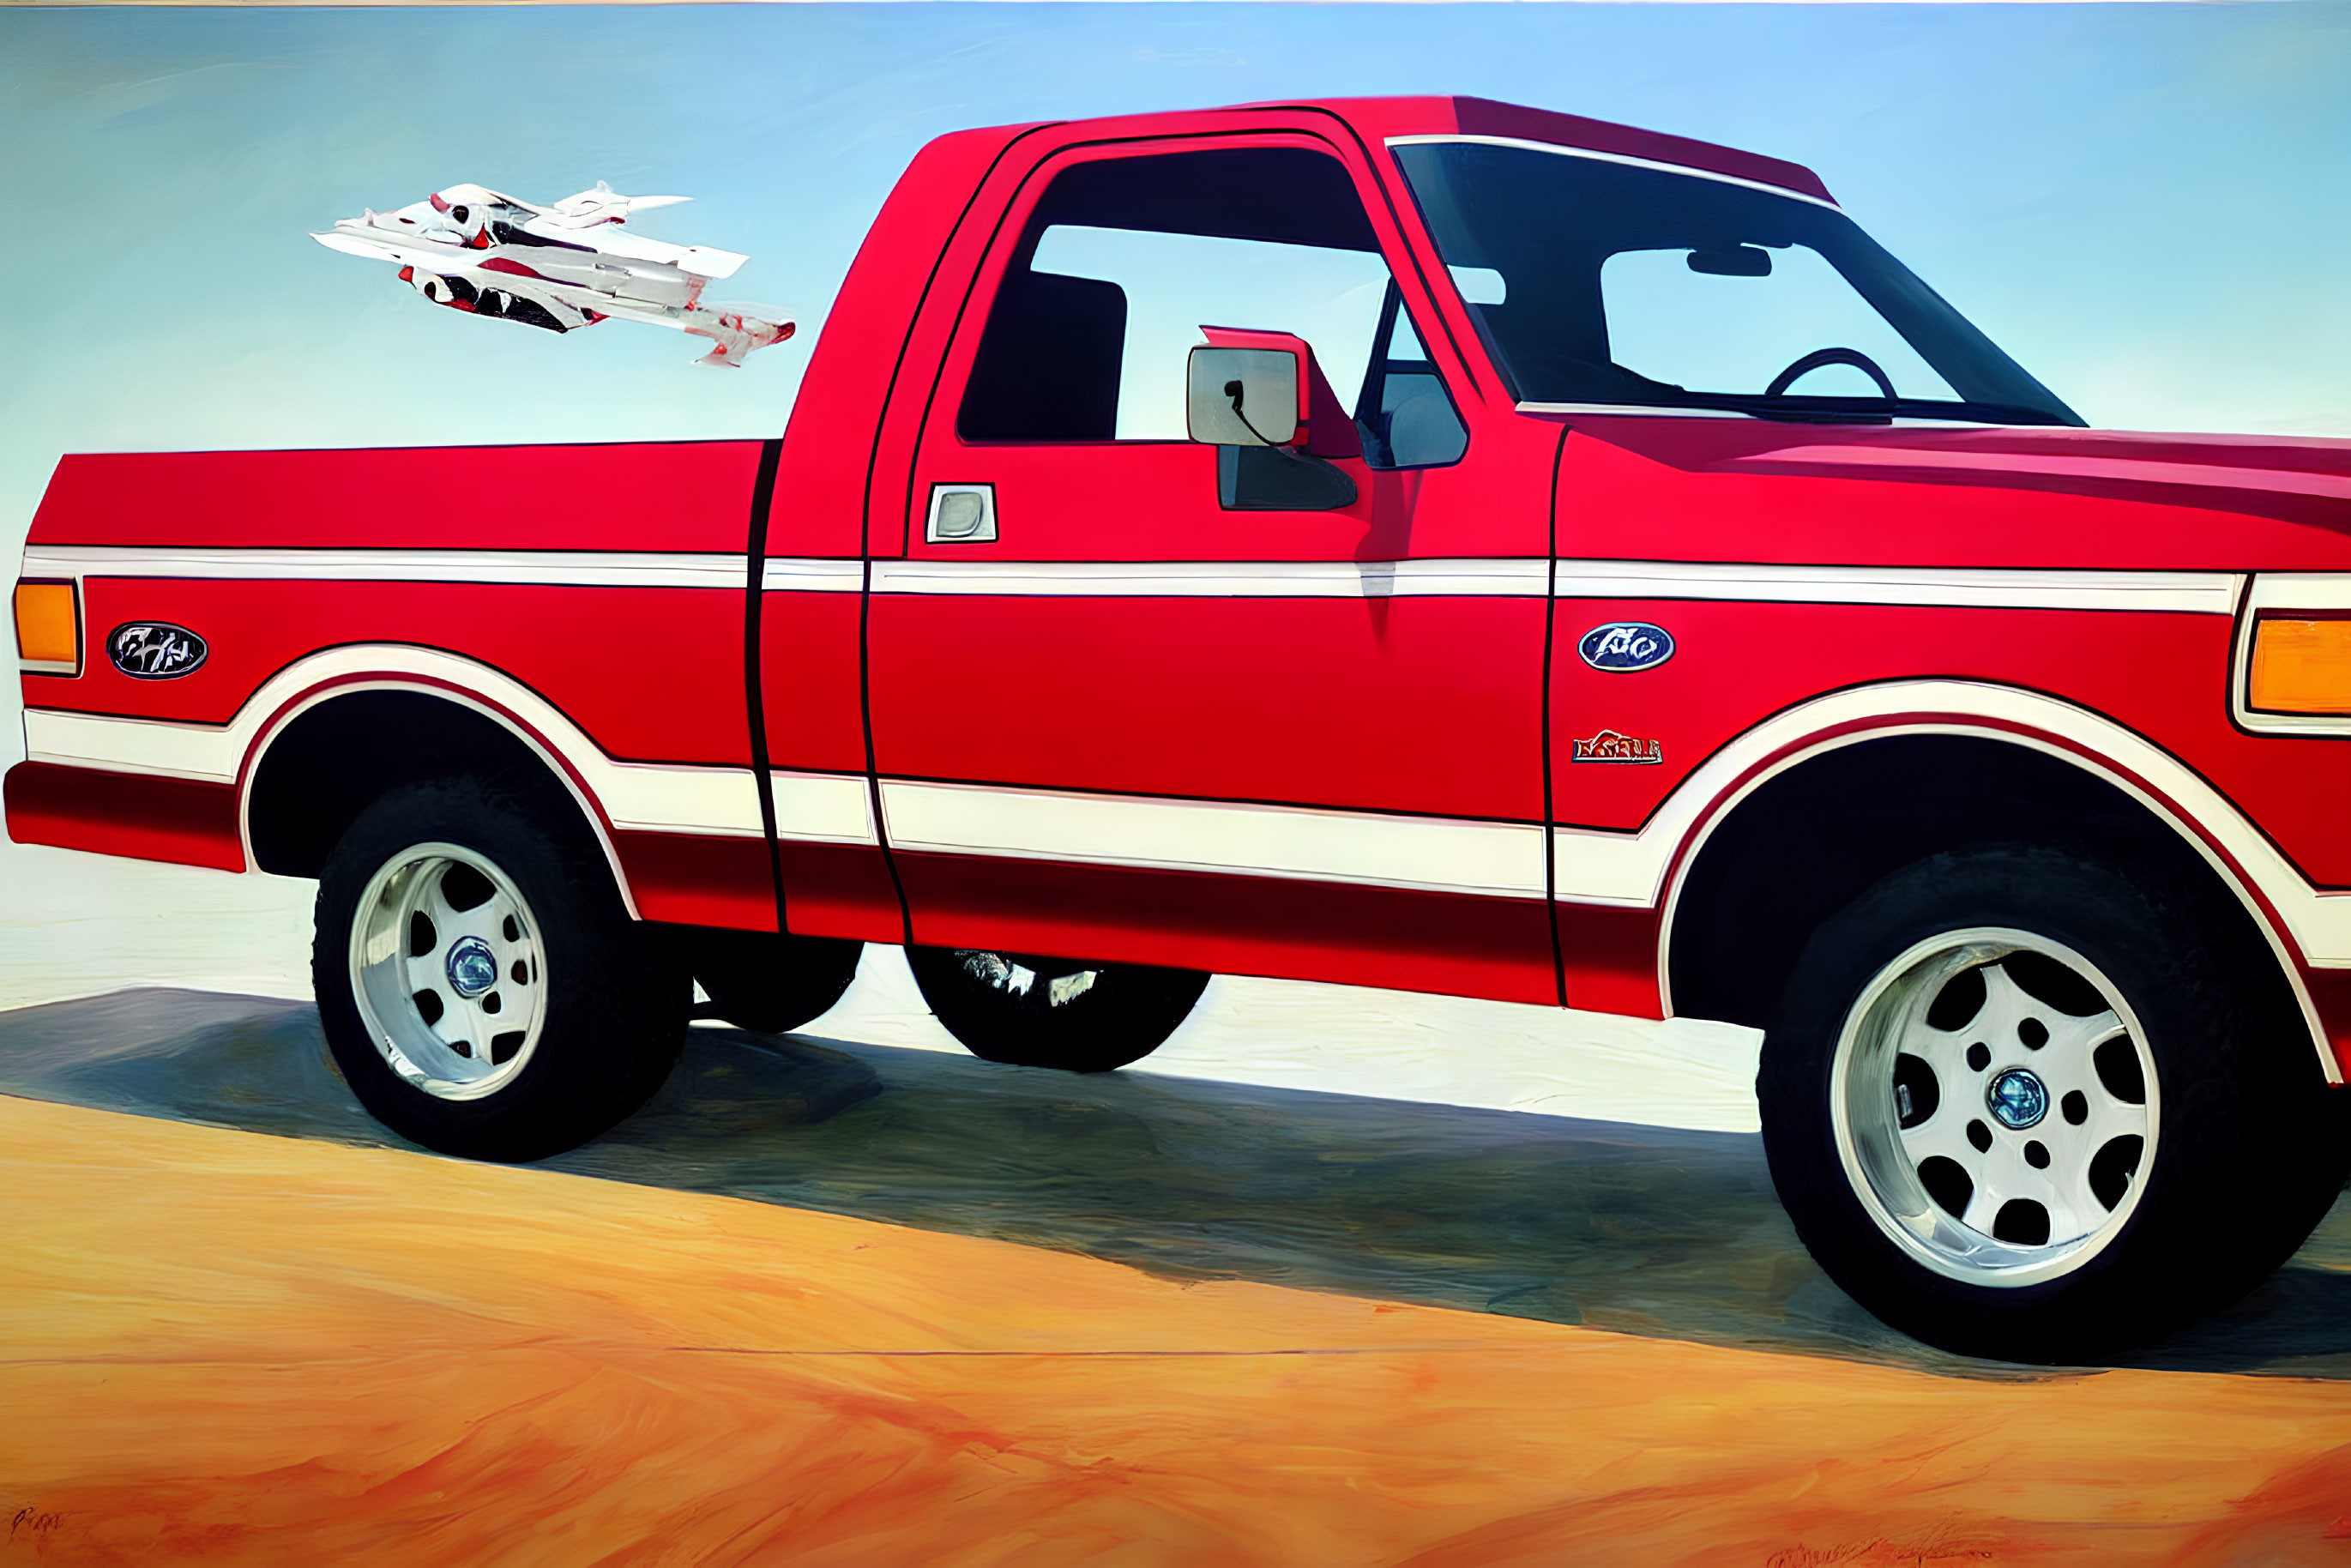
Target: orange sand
[(224, 1347)]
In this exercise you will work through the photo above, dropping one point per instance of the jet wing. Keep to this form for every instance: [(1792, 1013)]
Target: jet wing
[(437, 258)]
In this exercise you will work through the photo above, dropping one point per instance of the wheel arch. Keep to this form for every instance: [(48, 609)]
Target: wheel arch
[(324, 765), (332, 743), (1801, 833)]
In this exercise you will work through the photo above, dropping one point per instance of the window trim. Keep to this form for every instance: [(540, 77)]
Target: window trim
[(1391, 306), (1463, 139), (1009, 233)]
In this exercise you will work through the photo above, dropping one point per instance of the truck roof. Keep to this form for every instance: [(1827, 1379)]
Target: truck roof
[(1377, 119)]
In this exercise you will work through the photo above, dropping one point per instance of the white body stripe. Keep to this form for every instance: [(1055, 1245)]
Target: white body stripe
[(1438, 854), (1455, 137), (824, 808), (813, 574), (652, 798), (2209, 593), (1217, 580), (205, 752), (575, 568), (2212, 593), (2195, 592), (2284, 591)]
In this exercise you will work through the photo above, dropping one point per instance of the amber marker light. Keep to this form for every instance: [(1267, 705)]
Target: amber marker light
[(2301, 665), (49, 633)]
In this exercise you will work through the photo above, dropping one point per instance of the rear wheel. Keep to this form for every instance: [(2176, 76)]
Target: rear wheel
[(771, 984), (2019, 1105), (478, 982), (1030, 1011)]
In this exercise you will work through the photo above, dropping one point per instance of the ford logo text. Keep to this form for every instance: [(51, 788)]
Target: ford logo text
[(154, 650), (1623, 646)]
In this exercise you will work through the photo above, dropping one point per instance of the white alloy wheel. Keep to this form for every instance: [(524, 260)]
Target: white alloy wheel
[(447, 972), (1994, 1103), (1009, 976), (1026, 1011)]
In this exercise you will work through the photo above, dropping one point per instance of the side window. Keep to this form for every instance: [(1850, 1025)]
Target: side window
[(1176, 284), (1125, 260)]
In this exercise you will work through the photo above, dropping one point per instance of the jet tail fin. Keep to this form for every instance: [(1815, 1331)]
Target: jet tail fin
[(734, 334)]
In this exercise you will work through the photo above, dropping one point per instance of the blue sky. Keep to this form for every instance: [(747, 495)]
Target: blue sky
[(2145, 204)]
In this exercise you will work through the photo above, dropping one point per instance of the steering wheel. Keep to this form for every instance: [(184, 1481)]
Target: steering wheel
[(1820, 357)]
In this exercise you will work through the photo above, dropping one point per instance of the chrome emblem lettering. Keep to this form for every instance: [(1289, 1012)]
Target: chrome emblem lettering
[(1610, 746), (1622, 647), (154, 650)]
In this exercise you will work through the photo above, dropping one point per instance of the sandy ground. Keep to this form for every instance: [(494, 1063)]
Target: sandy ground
[(1337, 1277), (1657, 1231), (226, 1347)]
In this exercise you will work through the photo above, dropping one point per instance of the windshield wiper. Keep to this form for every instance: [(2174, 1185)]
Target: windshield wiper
[(1863, 409)]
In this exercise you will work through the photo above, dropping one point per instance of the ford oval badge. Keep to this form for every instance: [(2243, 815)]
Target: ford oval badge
[(1622, 647), (154, 650)]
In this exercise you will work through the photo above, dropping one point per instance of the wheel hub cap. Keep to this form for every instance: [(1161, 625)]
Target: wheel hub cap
[(2016, 1099), (474, 969), (1994, 1103), (447, 970)]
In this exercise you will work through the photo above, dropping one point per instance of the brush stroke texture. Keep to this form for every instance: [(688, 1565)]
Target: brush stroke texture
[(229, 1348), (1644, 1230)]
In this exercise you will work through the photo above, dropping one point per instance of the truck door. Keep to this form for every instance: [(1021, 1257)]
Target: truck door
[(1114, 720)]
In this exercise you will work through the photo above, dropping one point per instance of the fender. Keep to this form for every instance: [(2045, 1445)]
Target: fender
[(2302, 925), (614, 796)]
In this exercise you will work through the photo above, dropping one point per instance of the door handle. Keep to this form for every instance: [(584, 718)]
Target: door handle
[(961, 514)]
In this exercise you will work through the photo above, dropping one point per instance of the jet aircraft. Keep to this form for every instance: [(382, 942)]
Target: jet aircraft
[(560, 266)]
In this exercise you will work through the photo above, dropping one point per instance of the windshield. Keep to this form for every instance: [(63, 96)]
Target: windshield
[(1597, 282)]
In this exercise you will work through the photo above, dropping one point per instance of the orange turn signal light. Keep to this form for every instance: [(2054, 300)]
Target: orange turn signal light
[(2301, 665), (48, 630)]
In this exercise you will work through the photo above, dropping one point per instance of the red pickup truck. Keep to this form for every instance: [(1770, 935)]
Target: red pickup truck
[(1415, 542)]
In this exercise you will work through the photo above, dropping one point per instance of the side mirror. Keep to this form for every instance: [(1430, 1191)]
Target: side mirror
[(1283, 391), (1255, 396), (1242, 397)]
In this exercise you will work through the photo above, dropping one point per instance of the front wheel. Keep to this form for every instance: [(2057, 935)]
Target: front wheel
[(1030, 1011), (478, 982), (2019, 1105)]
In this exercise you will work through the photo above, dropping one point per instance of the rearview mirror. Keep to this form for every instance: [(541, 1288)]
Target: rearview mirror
[(1242, 397), (1732, 261)]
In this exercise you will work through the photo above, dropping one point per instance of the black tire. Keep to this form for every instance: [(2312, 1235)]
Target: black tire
[(2248, 1149), (770, 984), (1030, 1011), (609, 1005)]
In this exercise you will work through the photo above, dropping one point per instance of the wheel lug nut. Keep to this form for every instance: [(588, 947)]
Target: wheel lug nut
[(1979, 1056), (2036, 1155), (1980, 1136)]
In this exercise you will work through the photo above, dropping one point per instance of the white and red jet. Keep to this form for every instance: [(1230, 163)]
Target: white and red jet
[(562, 267)]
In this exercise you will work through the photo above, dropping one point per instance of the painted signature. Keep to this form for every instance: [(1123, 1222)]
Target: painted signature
[(33, 1524)]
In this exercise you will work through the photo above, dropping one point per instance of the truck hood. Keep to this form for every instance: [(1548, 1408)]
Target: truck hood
[(2059, 497), (2303, 479)]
